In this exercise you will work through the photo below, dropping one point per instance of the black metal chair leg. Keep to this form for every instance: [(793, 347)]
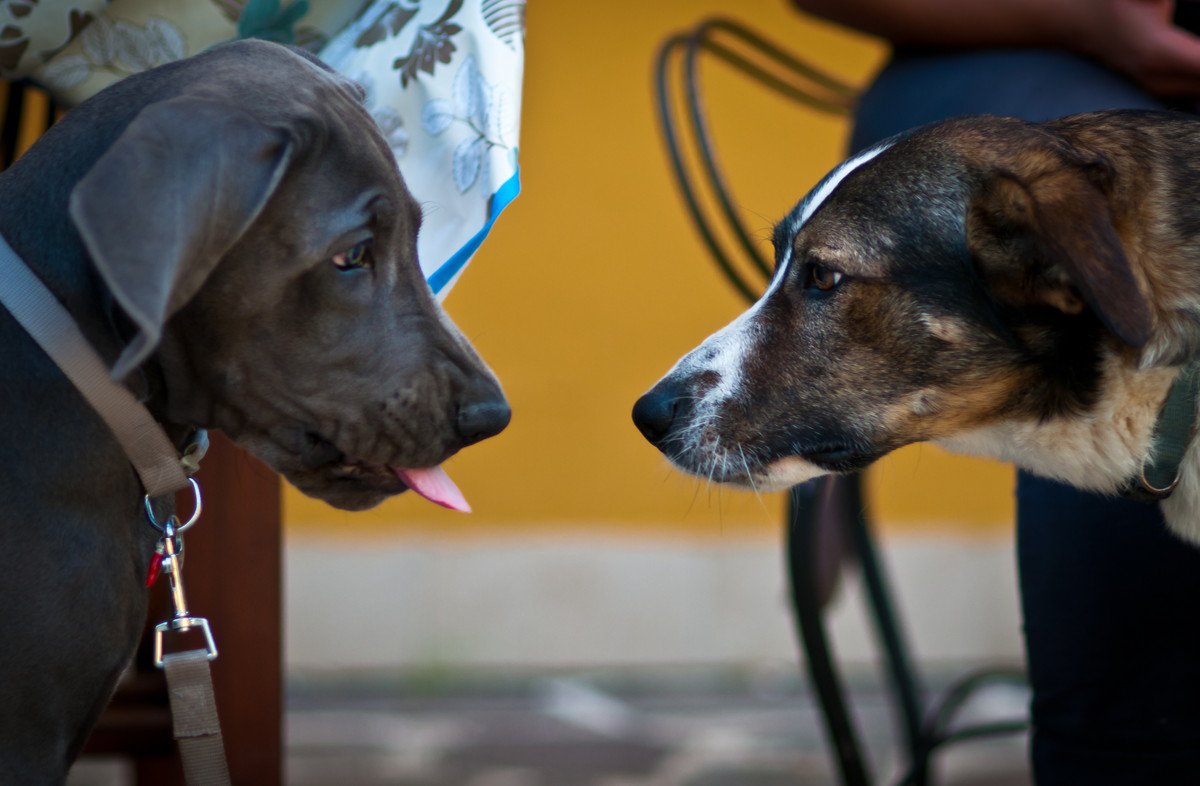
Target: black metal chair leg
[(802, 552), (906, 692)]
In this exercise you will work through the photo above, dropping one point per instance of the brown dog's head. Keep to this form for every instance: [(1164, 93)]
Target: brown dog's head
[(249, 220), (936, 284)]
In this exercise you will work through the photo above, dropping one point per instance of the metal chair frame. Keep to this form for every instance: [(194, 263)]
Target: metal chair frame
[(832, 507)]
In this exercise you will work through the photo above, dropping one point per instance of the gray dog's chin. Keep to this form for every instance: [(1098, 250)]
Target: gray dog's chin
[(346, 493), (344, 486)]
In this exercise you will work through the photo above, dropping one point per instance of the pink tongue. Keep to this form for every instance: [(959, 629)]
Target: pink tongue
[(436, 486)]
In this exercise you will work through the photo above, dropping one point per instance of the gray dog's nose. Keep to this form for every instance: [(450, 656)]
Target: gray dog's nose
[(479, 420)]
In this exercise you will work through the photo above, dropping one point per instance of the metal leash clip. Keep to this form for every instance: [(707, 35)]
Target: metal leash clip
[(170, 552)]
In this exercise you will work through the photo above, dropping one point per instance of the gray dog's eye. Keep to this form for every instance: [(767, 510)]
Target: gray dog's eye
[(357, 258)]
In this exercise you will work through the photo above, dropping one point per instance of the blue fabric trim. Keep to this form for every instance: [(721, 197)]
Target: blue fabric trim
[(504, 195)]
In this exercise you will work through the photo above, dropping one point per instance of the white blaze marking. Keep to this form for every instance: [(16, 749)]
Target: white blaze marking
[(834, 179), (729, 345), (724, 352), (732, 340), (817, 197)]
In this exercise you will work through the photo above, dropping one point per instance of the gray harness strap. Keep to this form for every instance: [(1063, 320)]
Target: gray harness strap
[(189, 680), (47, 321)]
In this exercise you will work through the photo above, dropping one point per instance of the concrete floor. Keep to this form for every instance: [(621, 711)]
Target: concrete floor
[(597, 730), (600, 731)]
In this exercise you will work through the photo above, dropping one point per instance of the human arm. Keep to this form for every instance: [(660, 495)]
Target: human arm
[(1135, 37)]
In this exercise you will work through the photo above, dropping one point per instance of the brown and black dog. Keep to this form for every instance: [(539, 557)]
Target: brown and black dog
[(1022, 291)]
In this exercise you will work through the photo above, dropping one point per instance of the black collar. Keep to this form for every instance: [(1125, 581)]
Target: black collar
[(1173, 432)]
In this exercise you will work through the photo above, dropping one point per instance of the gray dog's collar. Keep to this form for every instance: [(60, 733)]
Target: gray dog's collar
[(147, 446)]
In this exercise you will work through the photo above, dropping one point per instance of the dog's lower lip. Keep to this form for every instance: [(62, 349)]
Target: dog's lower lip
[(831, 455), (835, 457)]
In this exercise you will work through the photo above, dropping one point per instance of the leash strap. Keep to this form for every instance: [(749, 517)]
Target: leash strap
[(194, 716), (51, 326)]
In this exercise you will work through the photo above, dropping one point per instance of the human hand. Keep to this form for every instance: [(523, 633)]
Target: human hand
[(1139, 39)]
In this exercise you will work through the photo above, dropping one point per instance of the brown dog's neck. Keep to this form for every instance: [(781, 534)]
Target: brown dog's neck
[(1098, 450), (1102, 450)]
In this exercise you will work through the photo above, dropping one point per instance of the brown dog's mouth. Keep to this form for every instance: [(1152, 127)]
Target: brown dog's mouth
[(431, 483), (838, 457)]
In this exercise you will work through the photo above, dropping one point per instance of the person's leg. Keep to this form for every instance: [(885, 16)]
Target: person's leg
[(1112, 641), (1108, 596)]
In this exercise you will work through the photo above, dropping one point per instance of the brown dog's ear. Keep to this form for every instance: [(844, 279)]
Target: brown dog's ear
[(161, 207), (1052, 241)]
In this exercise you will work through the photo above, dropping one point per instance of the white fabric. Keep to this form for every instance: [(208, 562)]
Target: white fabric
[(443, 79)]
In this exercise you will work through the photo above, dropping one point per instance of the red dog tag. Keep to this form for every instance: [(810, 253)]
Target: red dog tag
[(156, 561)]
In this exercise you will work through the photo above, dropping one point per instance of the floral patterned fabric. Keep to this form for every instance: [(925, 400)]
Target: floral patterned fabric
[(77, 47), (443, 80), (34, 31)]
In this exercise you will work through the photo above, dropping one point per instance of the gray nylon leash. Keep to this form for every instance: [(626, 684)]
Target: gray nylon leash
[(189, 679), (194, 717), (51, 326)]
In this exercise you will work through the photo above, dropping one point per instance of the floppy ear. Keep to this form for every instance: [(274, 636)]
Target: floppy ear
[(1052, 241), (161, 207)]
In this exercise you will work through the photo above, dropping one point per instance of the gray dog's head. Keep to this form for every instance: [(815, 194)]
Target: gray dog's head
[(249, 220)]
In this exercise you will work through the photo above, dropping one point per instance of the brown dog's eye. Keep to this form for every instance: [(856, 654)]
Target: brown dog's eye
[(357, 258), (820, 277)]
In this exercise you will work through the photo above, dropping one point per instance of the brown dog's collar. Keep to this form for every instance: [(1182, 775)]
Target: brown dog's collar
[(1173, 432)]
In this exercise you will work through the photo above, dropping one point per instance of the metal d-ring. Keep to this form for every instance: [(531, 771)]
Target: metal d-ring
[(1158, 493), (179, 529)]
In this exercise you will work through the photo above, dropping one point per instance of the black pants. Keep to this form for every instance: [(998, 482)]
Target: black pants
[(1111, 600)]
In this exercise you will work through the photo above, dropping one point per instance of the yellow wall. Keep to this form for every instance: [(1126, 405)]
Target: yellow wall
[(593, 283)]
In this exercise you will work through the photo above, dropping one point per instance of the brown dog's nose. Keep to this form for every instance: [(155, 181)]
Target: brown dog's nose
[(655, 412), (482, 418)]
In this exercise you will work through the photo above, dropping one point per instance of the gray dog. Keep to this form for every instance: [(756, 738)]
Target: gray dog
[(231, 234)]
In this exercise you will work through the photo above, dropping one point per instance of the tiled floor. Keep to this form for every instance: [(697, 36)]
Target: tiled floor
[(596, 730)]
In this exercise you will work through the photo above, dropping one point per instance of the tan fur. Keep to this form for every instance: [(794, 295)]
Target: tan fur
[(934, 413), (1096, 451), (949, 330), (785, 473)]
